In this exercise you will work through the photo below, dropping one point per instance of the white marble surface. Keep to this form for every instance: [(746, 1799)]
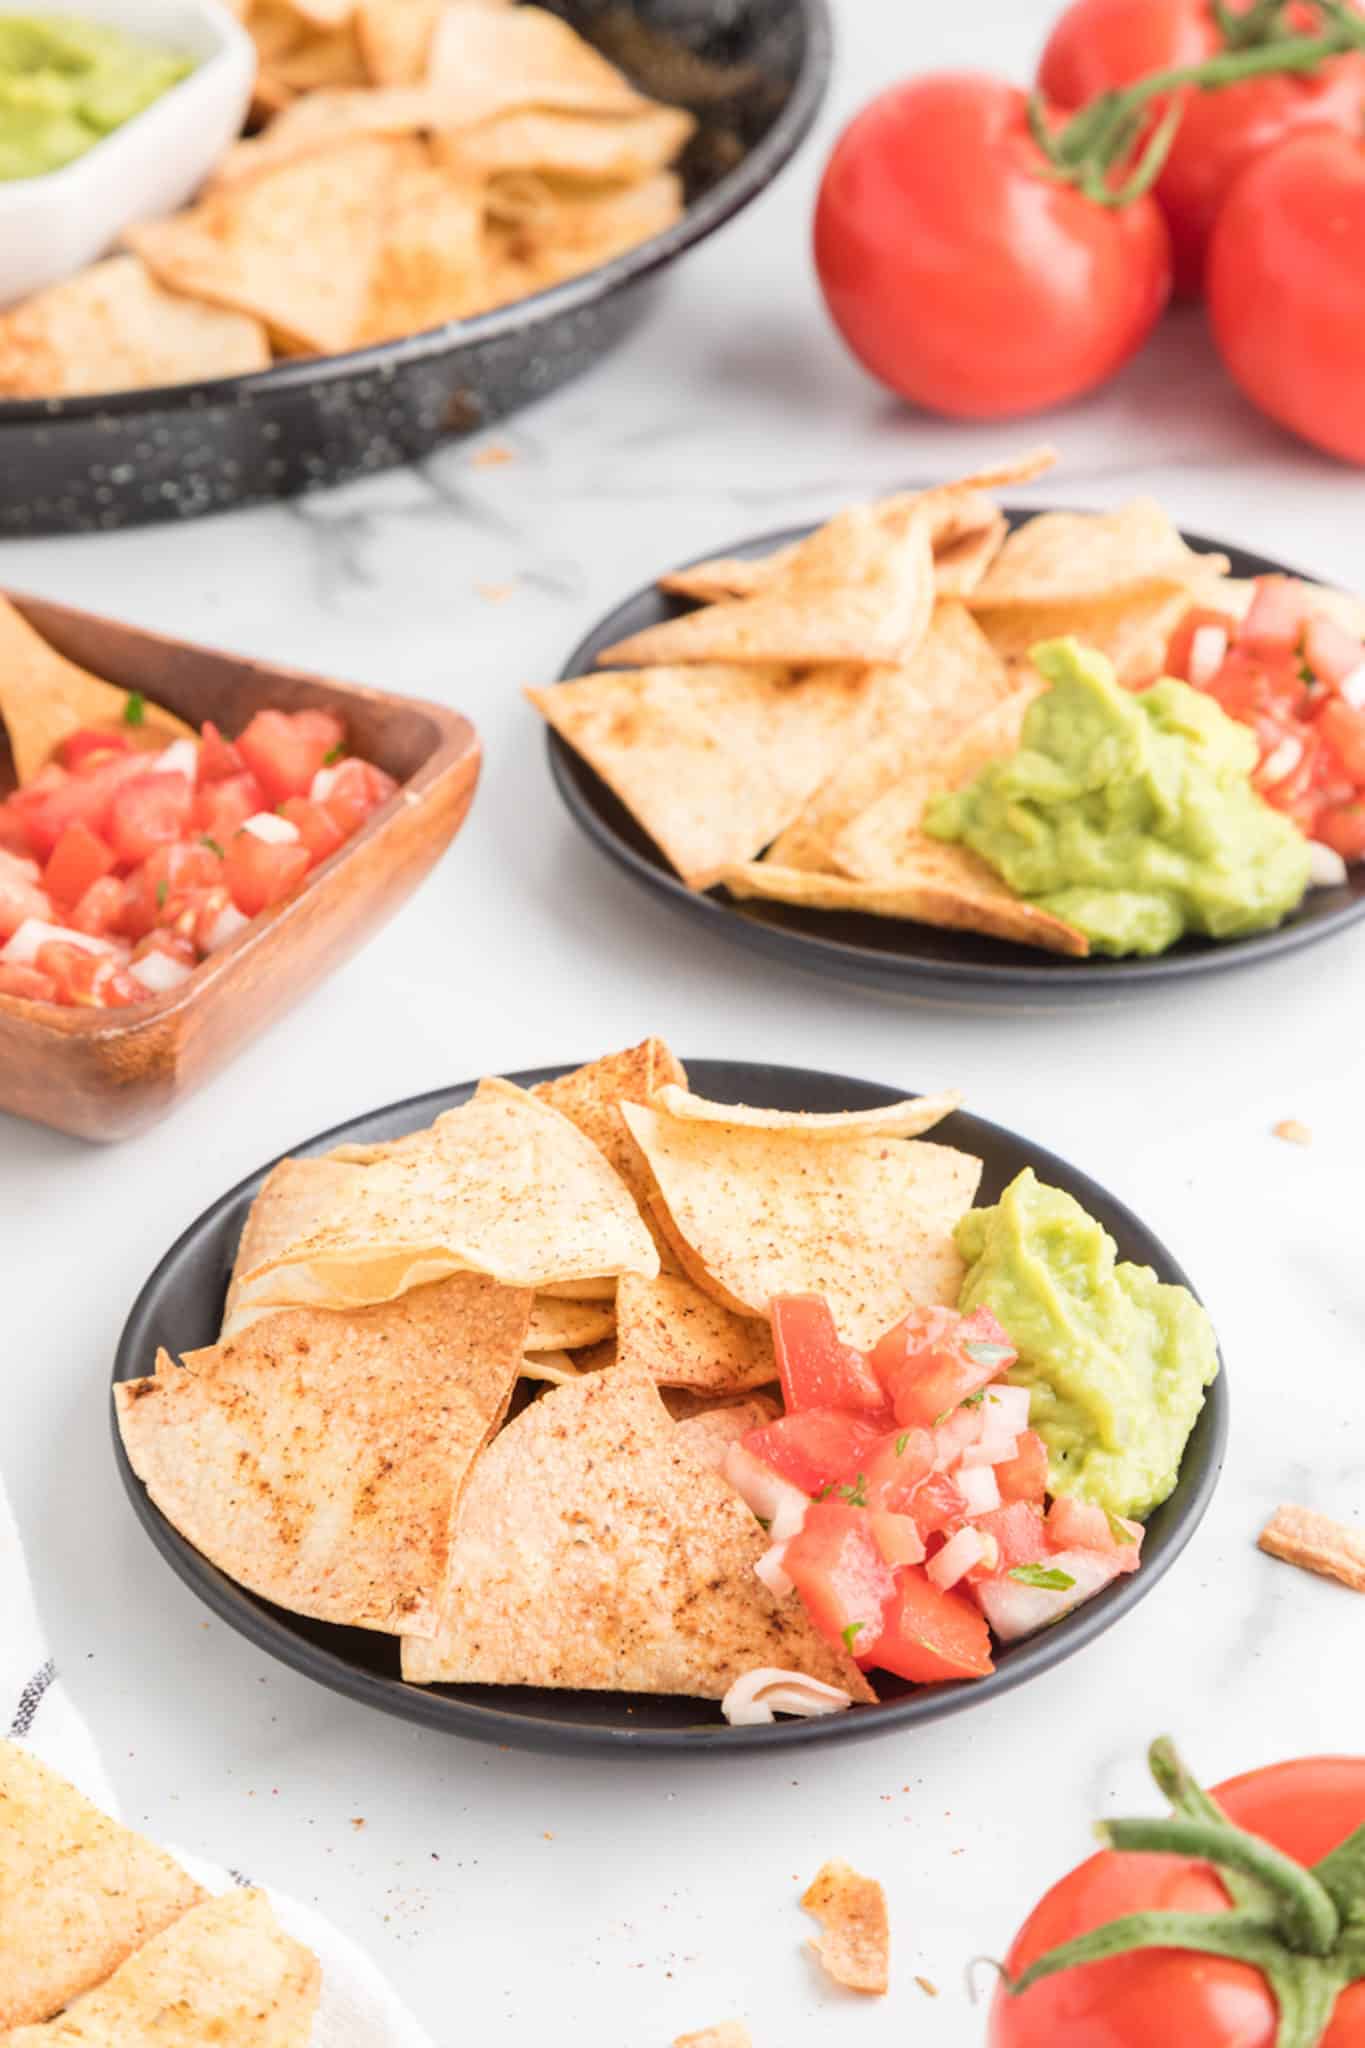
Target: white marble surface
[(517, 1898)]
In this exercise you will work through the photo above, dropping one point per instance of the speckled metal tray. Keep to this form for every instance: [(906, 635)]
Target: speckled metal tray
[(753, 71)]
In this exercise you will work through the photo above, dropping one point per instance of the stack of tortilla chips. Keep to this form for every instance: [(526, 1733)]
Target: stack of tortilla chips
[(594, 1259), (423, 160), (784, 736), (104, 1938)]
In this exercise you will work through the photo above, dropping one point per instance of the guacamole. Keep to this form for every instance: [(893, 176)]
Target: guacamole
[(1130, 815), (64, 83), (1116, 1362)]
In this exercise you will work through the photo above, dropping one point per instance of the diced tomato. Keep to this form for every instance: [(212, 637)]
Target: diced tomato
[(317, 828), (897, 1538), (1181, 646), (20, 899), (1343, 829), (100, 910), (936, 1359), (284, 750), (76, 971), (219, 760), (1024, 1476), (1019, 1531), (1278, 615), (814, 1449), (54, 800), (840, 1573), (929, 1636), (359, 788), (224, 807), (1079, 1525), (122, 989), (29, 982), (170, 882), (88, 744), (1343, 728), (258, 873), (79, 858), (1333, 654), (895, 1468), (817, 1369), (937, 1505), (149, 811)]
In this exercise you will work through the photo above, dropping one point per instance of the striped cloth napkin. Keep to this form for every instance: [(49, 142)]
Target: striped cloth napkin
[(358, 2009)]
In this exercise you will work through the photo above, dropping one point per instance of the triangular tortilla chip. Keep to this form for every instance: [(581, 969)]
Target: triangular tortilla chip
[(908, 1119), (939, 885), (849, 592), (559, 1325), (293, 1200), (44, 697), (712, 761), (542, 236), (855, 1945), (111, 327), (953, 679), (1063, 558), (1131, 631), (483, 60), (571, 146), (430, 265), (317, 1458), (556, 1368), (78, 1892), (395, 38), (683, 1338), (224, 1973), (867, 1222), (711, 1431), (321, 61), (296, 248), (593, 1550), (591, 1096), (503, 1186)]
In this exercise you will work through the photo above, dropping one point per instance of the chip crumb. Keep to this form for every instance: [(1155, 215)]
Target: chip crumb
[(927, 1986), (492, 455), (495, 593), (1315, 1543), (1293, 1132), (855, 1947), (358, 1823), (729, 2034)]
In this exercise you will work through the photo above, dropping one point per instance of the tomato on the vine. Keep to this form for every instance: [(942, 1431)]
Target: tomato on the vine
[(961, 272)]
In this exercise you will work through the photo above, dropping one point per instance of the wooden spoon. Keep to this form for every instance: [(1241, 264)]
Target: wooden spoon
[(44, 698)]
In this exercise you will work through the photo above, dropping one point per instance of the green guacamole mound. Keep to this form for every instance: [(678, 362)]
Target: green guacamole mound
[(1115, 1361), (65, 83), (1130, 815)]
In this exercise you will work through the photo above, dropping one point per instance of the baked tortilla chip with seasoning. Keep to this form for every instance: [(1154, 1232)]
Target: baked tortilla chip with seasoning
[(594, 1550), (683, 1338), (1067, 558), (79, 1893), (558, 1324), (226, 1972), (1315, 1543), (711, 1431), (317, 1458), (591, 1095), (504, 1186), (855, 1945), (945, 886), (729, 2034), (756, 1213), (910, 1118)]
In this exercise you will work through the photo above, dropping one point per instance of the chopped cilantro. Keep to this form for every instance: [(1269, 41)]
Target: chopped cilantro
[(212, 845), (336, 753), (855, 1495), (827, 1489), (854, 1629), (162, 891), (901, 1442), (975, 1400), (1118, 1529), (1045, 1577), (135, 710)]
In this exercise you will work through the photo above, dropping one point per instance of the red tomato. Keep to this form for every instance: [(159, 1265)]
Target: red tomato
[(1343, 728), (20, 899), (1334, 655), (222, 808), (1343, 829), (149, 811), (101, 909), (53, 800), (937, 1505), (29, 982), (1019, 1533), (816, 1368), (837, 1567), (357, 789), (1181, 645), (317, 828), (894, 1469), (284, 750), (218, 758), (1306, 1808), (76, 971), (930, 1636), (1079, 1525), (814, 1449), (1024, 1476), (1287, 288), (936, 1359), (79, 858), (962, 275), (79, 749), (167, 885), (259, 874), (1278, 615)]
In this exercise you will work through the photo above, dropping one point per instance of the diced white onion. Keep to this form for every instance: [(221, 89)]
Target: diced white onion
[(952, 1438), (958, 1556), (1353, 689), (898, 1538), (769, 1570), (1009, 1407), (23, 948), (272, 829), (1326, 868), (1281, 760), (773, 1499), (1208, 651), (18, 867), (978, 1487), (224, 927), (181, 757), (1015, 1609), (995, 1448), (758, 1696), (159, 971), (322, 785)]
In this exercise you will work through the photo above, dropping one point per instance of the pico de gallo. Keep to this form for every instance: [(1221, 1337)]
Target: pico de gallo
[(907, 1497), (1297, 677), (125, 861)]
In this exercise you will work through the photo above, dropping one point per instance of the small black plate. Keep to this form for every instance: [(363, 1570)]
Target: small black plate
[(181, 1308), (905, 958)]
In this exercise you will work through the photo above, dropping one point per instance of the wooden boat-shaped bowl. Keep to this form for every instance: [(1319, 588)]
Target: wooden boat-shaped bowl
[(105, 1074)]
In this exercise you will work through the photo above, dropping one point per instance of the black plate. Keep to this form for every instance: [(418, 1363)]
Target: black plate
[(904, 958), (181, 1307), (753, 71)]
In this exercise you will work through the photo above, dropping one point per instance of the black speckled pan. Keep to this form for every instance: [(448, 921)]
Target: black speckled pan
[(753, 71)]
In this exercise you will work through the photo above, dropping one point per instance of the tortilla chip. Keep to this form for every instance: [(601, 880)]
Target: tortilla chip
[(225, 1972), (323, 14), (317, 1458), (318, 124), (1132, 631), (558, 1325), (296, 248), (293, 1199), (961, 562), (938, 885), (713, 762), (954, 678), (850, 592), (729, 2034), (111, 327), (395, 38), (1315, 1543), (483, 60), (324, 59), (44, 697), (571, 146), (855, 1945), (554, 1368), (683, 1338), (430, 265), (710, 1433), (908, 1119), (591, 1095), (78, 1892), (866, 1221), (504, 1185), (579, 1290), (1065, 558), (546, 235), (594, 1551)]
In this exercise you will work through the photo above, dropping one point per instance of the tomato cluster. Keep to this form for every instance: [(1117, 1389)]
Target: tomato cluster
[(980, 267)]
